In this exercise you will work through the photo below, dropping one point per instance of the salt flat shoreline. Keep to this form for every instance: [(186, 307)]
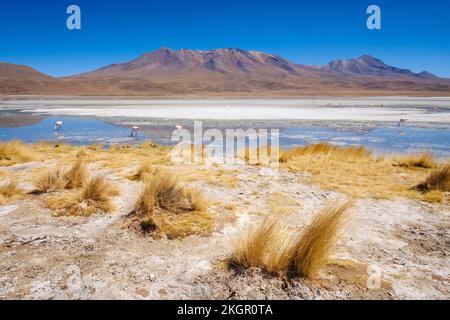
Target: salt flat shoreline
[(389, 109)]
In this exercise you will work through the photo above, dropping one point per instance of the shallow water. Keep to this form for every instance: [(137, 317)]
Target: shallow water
[(383, 139), (78, 131)]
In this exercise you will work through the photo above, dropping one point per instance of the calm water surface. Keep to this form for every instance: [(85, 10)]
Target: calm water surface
[(82, 131)]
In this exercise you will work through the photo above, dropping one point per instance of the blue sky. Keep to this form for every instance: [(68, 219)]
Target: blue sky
[(414, 35)]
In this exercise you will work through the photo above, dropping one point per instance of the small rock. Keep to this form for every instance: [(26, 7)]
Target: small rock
[(152, 277), (143, 292), (162, 292)]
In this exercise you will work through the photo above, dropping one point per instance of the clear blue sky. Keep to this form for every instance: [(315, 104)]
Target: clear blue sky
[(414, 35)]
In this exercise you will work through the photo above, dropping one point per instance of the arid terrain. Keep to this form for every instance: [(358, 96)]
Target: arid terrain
[(229, 72), (52, 248)]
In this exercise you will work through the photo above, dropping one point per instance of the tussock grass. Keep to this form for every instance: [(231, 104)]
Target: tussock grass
[(95, 197), (354, 171), (82, 153), (437, 180), (327, 150), (166, 207), (50, 180), (54, 179), (149, 144), (76, 176), (319, 238), (10, 190), (164, 191), (13, 152), (423, 160), (278, 248), (98, 189), (269, 246), (260, 155), (144, 172)]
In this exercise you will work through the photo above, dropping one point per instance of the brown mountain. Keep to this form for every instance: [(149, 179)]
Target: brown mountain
[(367, 65), (18, 72), (168, 64), (227, 72)]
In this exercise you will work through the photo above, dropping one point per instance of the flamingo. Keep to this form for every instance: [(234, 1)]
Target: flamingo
[(58, 125), (134, 131), (401, 123)]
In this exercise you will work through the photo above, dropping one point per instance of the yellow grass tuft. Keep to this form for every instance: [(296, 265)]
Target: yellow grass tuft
[(163, 191), (327, 150), (269, 246), (12, 152), (98, 189), (277, 248), (259, 155), (76, 176), (423, 160), (10, 190), (50, 180), (437, 180), (319, 238), (96, 197), (149, 144), (144, 171), (167, 207), (354, 171), (82, 153)]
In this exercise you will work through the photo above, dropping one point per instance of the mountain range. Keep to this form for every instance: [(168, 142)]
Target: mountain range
[(227, 72)]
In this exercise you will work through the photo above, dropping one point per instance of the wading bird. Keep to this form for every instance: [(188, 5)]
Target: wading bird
[(401, 123), (134, 131), (58, 125)]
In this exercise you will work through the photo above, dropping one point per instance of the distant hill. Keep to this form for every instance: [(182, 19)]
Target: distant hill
[(226, 72), (18, 72), (367, 65)]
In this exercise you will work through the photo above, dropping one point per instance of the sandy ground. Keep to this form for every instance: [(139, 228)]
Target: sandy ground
[(97, 257), (354, 109)]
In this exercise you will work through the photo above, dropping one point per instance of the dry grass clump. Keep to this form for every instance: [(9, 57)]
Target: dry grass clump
[(354, 171), (82, 153), (149, 144), (259, 155), (327, 150), (144, 171), (54, 179), (12, 152), (97, 194), (163, 191), (50, 180), (269, 246), (437, 180), (95, 197), (167, 207), (278, 248), (318, 239), (76, 176), (423, 160), (10, 190)]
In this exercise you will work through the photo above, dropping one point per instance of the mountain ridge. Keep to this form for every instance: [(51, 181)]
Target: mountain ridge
[(226, 72)]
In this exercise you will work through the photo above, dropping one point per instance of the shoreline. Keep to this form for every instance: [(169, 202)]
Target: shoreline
[(433, 110)]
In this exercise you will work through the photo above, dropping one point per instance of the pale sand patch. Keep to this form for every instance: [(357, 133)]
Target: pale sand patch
[(356, 109)]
